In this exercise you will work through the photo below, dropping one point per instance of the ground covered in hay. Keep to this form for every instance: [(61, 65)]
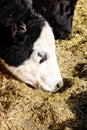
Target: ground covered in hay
[(23, 108)]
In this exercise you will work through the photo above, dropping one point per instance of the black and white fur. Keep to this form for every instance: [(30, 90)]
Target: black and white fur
[(27, 45)]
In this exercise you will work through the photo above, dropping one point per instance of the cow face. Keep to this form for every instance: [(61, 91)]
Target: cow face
[(27, 49), (36, 63)]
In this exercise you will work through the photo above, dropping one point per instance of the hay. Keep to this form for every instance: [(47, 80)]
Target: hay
[(23, 108)]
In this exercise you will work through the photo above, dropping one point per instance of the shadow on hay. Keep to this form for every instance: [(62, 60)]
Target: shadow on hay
[(81, 70), (78, 105), (67, 84)]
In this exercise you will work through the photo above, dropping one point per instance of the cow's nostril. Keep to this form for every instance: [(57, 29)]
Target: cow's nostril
[(59, 85)]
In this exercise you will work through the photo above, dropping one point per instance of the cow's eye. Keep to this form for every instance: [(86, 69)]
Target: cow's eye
[(43, 57)]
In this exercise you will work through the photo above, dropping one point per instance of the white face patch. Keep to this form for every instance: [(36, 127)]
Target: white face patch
[(41, 69)]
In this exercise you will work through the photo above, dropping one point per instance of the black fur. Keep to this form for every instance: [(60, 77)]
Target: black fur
[(20, 27), (59, 13)]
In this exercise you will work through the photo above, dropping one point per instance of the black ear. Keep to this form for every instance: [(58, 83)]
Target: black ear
[(17, 30)]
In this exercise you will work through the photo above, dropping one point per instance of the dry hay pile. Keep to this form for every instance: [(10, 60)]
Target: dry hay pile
[(22, 108)]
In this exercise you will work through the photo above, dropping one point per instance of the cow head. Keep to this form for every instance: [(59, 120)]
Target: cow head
[(27, 49)]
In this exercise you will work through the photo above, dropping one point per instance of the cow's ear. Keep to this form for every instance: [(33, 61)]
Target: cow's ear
[(17, 30), (20, 27)]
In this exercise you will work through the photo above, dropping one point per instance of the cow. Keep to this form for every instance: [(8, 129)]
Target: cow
[(59, 14), (27, 45)]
